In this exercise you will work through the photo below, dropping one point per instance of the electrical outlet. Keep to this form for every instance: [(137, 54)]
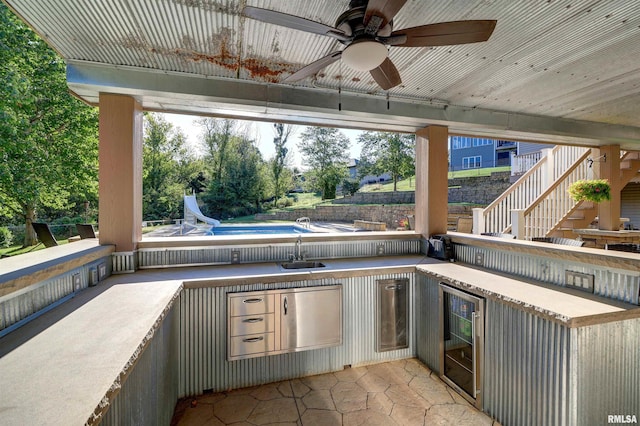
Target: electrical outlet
[(380, 249), (235, 256), (77, 282), (579, 280), (480, 259), (93, 276), (102, 271)]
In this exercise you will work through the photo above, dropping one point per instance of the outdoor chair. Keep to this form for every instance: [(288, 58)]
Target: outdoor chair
[(464, 224), (499, 234), (559, 240), (628, 247), (44, 234), (85, 230)]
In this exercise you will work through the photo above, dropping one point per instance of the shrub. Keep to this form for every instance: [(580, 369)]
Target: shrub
[(350, 187), (284, 202), (6, 237)]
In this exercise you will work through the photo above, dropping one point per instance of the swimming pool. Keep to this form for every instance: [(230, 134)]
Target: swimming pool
[(257, 229)]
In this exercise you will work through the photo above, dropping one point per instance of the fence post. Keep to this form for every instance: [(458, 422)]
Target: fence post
[(517, 223), (478, 220)]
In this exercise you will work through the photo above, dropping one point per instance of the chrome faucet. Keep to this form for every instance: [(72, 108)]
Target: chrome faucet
[(298, 255)]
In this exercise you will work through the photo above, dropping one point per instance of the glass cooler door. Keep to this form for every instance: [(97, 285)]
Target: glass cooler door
[(461, 328)]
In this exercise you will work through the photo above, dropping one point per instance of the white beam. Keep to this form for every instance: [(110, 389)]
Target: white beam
[(200, 95)]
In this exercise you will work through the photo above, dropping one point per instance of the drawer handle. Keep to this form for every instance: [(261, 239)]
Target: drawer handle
[(252, 320), (393, 287), (253, 339), (256, 300)]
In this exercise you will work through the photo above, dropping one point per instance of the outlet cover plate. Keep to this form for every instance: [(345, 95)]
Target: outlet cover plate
[(235, 256), (77, 282), (579, 280), (102, 271)]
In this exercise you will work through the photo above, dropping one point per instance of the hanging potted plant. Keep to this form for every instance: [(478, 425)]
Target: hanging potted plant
[(596, 190)]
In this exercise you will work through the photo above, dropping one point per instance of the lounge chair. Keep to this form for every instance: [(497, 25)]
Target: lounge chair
[(559, 240), (499, 234), (85, 230), (44, 234)]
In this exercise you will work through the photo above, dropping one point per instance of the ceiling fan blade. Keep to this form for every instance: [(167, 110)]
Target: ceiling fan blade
[(380, 12), (313, 67), (443, 34), (386, 75), (291, 21)]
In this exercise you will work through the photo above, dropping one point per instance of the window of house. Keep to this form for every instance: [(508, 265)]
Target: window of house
[(472, 162), (460, 142)]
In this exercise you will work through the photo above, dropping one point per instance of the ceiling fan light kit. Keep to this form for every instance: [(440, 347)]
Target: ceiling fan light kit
[(364, 55), (366, 29)]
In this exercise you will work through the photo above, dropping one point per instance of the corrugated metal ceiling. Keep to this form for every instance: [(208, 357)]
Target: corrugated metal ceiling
[(576, 59)]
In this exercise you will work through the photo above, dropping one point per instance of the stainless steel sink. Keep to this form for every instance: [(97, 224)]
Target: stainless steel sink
[(304, 264)]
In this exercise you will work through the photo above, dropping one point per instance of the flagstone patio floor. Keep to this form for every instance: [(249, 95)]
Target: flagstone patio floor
[(402, 393)]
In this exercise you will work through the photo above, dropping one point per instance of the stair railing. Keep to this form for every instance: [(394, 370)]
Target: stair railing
[(549, 210), (525, 191)]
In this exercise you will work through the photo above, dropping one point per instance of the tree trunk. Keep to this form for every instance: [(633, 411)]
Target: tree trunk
[(395, 183), (29, 234)]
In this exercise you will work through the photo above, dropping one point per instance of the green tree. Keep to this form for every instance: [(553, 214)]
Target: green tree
[(167, 168), (387, 152), (236, 183), (281, 179), (48, 139), (325, 151)]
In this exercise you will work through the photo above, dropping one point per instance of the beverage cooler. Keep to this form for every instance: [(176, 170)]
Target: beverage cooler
[(461, 341)]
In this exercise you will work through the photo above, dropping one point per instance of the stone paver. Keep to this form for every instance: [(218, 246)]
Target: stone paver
[(403, 393)]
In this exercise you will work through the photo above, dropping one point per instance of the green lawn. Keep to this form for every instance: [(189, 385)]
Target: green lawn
[(18, 249), (478, 172)]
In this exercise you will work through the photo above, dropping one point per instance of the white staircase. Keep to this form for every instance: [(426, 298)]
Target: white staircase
[(558, 164), (538, 204)]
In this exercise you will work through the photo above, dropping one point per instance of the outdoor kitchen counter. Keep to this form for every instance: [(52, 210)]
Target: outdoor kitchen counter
[(572, 308), (66, 366)]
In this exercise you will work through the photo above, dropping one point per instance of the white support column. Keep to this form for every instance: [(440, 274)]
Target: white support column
[(517, 224), (478, 220)]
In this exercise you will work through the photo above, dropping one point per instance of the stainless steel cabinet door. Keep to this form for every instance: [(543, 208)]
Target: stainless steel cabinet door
[(391, 316), (311, 318)]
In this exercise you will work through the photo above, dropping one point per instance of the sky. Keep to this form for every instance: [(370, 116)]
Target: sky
[(263, 134)]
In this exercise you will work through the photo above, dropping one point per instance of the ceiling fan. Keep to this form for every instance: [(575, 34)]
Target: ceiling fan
[(366, 29)]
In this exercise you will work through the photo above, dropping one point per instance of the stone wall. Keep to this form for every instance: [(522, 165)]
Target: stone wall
[(388, 214), (399, 197), (478, 190)]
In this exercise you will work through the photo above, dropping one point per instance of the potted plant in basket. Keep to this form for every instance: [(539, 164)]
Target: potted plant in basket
[(595, 190)]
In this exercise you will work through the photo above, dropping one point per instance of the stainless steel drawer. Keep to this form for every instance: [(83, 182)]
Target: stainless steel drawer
[(251, 345), (251, 304), (251, 324)]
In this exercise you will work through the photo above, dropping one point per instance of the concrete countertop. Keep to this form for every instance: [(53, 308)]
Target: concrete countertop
[(18, 272), (572, 308), (58, 368), (64, 367)]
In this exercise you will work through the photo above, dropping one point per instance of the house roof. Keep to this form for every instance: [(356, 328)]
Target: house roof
[(558, 71)]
